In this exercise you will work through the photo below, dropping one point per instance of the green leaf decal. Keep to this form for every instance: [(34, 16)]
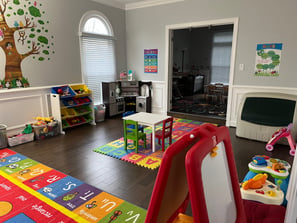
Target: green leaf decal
[(43, 39), (34, 11), (20, 12), (17, 2)]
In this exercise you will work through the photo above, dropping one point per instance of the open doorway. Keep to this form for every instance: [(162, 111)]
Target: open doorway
[(202, 63)]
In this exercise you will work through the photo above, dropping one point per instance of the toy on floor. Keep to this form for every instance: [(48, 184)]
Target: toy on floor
[(276, 168), (262, 190), (283, 132)]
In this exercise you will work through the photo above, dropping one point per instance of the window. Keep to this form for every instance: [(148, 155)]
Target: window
[(97, 53), (221, 56)]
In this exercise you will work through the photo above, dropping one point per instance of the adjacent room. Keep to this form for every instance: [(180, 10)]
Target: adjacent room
[(147, 111)]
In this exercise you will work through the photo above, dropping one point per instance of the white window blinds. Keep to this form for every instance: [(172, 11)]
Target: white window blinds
[(97, 53), (221, 56), (98, 63)]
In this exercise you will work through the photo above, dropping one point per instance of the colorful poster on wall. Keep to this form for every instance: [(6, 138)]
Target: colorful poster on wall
[(151, 61), (268, 59)]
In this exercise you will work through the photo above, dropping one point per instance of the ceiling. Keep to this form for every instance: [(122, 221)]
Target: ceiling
[(133, 4)]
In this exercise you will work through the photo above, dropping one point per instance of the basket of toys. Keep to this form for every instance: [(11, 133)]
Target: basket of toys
[(45, 127), (26, 136)]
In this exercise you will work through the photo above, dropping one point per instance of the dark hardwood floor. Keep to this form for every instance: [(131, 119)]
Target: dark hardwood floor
[(73, 154)]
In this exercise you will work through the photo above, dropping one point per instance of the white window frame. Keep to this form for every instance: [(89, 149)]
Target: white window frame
[(97, 90)]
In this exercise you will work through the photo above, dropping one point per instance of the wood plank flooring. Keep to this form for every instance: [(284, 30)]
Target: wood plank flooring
[(73, 154)]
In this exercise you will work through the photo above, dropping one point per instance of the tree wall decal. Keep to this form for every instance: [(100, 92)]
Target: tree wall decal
[(23, 34)]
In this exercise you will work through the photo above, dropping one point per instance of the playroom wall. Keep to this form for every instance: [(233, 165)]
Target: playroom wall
[(19, 106), (267, 21), (64, 64)]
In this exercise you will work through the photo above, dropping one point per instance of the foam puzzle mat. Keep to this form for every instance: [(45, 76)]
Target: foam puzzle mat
[(145, 157)]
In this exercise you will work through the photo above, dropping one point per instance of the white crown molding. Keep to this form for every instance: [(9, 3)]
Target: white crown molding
[(136, 5), (144, 4), (115, 4)]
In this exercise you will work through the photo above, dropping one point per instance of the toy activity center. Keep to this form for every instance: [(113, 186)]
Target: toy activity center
[(68, 89)]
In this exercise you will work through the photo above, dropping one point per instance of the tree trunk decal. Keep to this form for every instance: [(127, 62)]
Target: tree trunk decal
[(28, 30)]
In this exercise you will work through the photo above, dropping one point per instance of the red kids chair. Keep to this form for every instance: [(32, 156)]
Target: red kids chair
[(165, 132), (213, 183), (170, 194)]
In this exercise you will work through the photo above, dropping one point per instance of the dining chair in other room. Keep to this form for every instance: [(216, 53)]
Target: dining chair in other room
[(170, 196), (165, 132), (131, 131), (213, 183)]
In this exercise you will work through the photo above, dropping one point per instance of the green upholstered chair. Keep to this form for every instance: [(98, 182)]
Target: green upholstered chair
[(131, 131)]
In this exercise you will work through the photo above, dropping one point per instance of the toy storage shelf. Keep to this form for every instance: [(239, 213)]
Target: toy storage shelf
[(72, 105)]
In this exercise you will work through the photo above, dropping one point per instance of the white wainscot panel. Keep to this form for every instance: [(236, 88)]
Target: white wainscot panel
[(19, 107), (159, 97), (239, 90)]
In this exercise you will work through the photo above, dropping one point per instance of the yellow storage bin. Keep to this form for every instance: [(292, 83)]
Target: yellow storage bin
[(81, 90), (64, 113), (71, 112)]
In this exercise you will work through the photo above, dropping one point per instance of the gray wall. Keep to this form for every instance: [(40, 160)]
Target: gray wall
[(64, 66), (266, 21)]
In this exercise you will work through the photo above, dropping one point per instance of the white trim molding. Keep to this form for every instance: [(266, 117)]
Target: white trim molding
[(168, 70), (144, 4), (135, 4)]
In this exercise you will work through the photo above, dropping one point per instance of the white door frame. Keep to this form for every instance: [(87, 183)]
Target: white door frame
[(168, 61)]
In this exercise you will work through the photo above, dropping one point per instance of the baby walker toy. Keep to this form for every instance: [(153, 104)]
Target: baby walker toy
[(283, 132), (277, 169)]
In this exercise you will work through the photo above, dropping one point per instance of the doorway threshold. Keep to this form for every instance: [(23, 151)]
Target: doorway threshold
[(221, 121)]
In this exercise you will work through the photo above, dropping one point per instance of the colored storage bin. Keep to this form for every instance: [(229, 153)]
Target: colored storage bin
[(81, 90), (88, 118), (70, 102), (71, 112), (65, 124), (64, 91), (76, 121), (83, 110)]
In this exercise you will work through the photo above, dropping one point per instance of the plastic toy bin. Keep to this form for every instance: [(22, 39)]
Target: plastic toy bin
[(82, 100), (76, 121), (20, 139), (83, 110), (46, 131), (64, 91), (99, 113), (3, 136), (69, 102), (81, 90)]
